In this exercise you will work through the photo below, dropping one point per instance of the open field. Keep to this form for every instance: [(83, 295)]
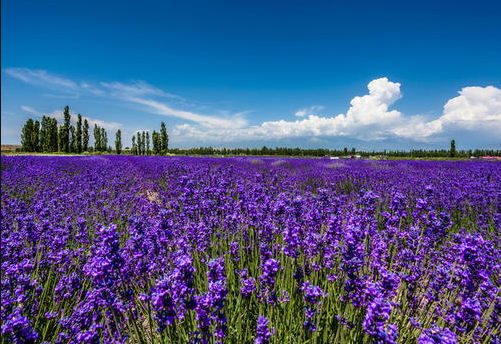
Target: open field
[(135, 249)]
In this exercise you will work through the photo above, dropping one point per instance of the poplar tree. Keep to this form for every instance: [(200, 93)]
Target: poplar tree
[(79, 134), (85, 136), (134, 147), (148, 152), (53, 136), (164, 138), (139, 144), (143, 142), (453, 149), (35, 136), (73, 140), (104, 140), (118, 141), (97, 138), (27, 136), (154, 141), (45, 134), (61, 138), (66, 132)]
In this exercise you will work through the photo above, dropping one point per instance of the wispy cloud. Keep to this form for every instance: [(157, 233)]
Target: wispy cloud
[(59, 115), (136, 89), (312, 110), (30, 110), (142, 93), (207, 121), (153, 99), (62, 96), (41, 77)]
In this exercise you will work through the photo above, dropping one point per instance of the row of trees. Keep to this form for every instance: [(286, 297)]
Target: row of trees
[(159, 140), (100, 139), (318, 152), (46, 136)]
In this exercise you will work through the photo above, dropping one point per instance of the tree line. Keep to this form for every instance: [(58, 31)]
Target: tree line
[(46, 136), (159, 141), (345, 152)]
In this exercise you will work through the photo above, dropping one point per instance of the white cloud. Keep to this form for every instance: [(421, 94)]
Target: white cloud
[(62, 96), (30, 110), (142, 93), (41, 78), (366, 119), (207, 121), (137, 92), (369, 118), (59, 115), (309, 111), (475, 108), (135, 89)]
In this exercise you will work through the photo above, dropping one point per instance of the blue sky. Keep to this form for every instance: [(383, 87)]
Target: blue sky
[(369, 74)]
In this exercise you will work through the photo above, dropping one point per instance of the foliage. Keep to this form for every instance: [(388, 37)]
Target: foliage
[(118, 141)]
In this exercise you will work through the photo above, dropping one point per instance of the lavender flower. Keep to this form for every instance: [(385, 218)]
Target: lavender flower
[(263, 333)]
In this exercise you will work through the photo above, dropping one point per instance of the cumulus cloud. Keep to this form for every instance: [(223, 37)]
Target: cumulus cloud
[(370, 118), (475, 108), (367, 118)]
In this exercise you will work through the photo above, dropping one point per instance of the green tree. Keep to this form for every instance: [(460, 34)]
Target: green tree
[(143, 142), (44, 134), (85, 136), (73, 140), (79, 134), (155, 142), (61, 138), (35, 137), (134, 146), (97, 138), (164, 138), (139, 144), (54, 147), (66, 132), (27, 136), (104, 140), (453, 152), (118, 141), (148, 152)]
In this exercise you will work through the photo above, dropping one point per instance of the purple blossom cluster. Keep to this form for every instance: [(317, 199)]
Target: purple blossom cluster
[(122, 249)]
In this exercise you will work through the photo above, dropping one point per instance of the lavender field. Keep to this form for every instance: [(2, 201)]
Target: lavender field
[(123, 249)]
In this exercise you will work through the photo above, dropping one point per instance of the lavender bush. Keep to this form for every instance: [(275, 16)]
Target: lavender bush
[(171, 250)]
